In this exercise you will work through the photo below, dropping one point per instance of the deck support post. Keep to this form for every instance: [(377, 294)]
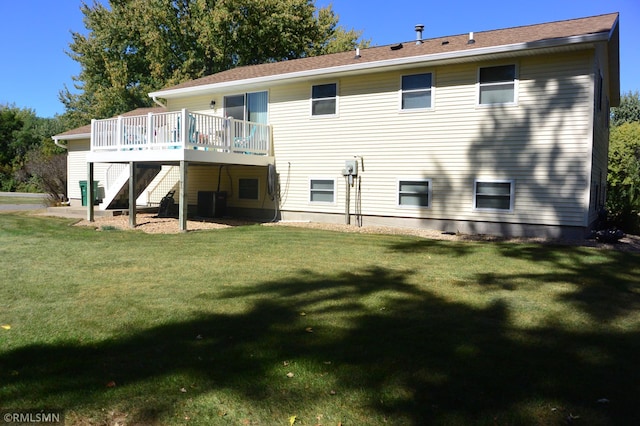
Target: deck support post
[(183, 196), (132, 194), (90, 195)]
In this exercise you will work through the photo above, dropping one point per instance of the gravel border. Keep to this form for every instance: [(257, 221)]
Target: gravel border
[(152, 224)]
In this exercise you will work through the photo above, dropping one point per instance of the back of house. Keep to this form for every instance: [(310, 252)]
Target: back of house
[(497, 132)]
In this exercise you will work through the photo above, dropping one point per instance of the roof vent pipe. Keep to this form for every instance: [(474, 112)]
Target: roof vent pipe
[(419, 29), (471, 39)]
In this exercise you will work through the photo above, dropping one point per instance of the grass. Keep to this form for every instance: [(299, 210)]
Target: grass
[(255, 325), (23, 200)]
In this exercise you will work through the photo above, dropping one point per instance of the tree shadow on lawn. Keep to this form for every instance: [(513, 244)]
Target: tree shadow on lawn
[(368, 342)]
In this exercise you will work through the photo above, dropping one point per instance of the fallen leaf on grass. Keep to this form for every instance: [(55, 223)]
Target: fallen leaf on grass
[(183, 390), (289, 374), (111, 384), (309, 329), (6, 326), (292, 420)]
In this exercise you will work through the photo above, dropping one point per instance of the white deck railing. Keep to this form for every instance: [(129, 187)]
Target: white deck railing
[(167, 131)]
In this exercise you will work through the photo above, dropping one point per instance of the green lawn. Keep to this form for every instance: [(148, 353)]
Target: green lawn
[(254, 325), (23, 200)]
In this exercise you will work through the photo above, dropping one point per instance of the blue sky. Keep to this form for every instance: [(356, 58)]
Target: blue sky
[(36, 33)]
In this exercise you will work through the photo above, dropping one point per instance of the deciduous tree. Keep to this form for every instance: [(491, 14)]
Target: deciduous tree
[(623, 196), (137, 46)]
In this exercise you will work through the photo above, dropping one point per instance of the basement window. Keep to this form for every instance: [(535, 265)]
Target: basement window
[(414, 193), (248, 188), (494, 195), (322, 190)]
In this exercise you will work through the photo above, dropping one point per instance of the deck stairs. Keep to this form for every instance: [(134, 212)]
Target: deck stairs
[(117, 194)]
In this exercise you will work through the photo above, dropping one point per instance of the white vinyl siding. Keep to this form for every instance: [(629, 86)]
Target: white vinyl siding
[(542, 143), (77, 169)]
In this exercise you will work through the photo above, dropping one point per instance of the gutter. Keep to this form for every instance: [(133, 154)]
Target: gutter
[(435, 57), (57, 142), (155, 99), (57, 139)]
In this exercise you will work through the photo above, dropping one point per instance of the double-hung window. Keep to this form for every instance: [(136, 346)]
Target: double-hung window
[(414, 192), (416, 91), (322, 190), (494, 195), (497, 85), (324, 99)]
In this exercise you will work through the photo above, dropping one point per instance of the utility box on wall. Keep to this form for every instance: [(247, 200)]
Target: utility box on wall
[(212, 203)]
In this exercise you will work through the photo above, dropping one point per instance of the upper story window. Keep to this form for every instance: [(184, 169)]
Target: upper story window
[(324, 99), (497, 85), (416, 91)]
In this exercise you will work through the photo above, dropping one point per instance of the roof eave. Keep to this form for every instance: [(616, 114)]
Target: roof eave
[(613, 49), (77, 136), (432, 59)]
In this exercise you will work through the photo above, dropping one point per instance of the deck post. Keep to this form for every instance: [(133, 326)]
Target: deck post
[(90, 194), (132, 194), (183, 196)]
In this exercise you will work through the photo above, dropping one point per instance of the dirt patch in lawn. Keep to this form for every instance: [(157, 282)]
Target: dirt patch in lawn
[(152, 224)]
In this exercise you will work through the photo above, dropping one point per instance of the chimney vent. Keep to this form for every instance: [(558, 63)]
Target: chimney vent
[(419, 29), (471, 39)]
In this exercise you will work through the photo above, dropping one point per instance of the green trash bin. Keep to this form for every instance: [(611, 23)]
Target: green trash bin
[(83, 191)]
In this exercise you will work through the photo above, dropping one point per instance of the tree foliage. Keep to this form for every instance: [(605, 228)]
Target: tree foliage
[(623, 198), (628, 111), (21, 133), (623, 180), (134, 47)]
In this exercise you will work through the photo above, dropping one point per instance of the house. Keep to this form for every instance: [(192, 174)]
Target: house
[(497, 132)]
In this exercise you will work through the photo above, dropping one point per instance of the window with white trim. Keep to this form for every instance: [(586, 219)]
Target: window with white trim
[(497, 85), (416, 91), (493, 195), (248, 188), (322, 190), (414, 192), (324, 99)]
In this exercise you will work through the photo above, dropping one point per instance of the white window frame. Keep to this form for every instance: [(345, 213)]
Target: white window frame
[(512, 193), (312, 100), (429, 192), (334, 191), (430, 90), (515, 83), (249, 178)]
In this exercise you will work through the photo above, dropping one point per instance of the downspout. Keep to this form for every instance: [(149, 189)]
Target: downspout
[(155, 99)]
